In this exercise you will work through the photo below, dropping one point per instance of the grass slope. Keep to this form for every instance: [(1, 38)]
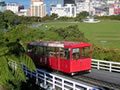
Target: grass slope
[(105, 33)]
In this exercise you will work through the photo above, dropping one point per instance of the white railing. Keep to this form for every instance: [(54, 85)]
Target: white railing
[(51, 81), (106, 65), (48, 80)]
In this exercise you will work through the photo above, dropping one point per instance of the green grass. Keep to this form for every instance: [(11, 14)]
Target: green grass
[(107, 30)]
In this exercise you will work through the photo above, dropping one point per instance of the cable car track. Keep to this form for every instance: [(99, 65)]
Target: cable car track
[(82, 77), (99, 83)]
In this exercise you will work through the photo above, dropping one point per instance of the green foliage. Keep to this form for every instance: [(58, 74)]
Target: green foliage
[(11, 49), (1, 20), (52, 36), (112, 17), (54, 15), (10, 18), (47, 18), (105, 54), (65, 19), (30, 19), (70, 33), (83, 14)]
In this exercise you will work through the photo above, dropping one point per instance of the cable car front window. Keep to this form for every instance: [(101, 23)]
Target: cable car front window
[(86, 52), (76, 54)]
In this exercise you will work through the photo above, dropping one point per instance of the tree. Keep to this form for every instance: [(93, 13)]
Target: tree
[(12, 50), (54, 16), (51, 36), (83, 14), (47, 18), (2, 23), (10, 18), (70, 33)]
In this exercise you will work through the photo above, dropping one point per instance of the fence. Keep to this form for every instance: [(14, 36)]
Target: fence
[(52, 81), (106, 65)]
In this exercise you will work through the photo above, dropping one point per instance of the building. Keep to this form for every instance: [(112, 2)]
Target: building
[(88, 5), (85, 6), (69, 2), (69, 10), (114, 9), (23, 12), (49, 3), (101, 11), (37, 8), (108, 10), (111, 1), (2, 6), (14, 7)]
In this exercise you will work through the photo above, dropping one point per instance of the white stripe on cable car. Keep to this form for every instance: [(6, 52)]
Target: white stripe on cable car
[(55, 45)]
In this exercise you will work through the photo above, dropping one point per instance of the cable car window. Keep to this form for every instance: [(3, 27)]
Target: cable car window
[(46, 50), (33, 50), (86, 52), (76, 54), (39, 51), (65, 53), (52, 52), (57, 52)]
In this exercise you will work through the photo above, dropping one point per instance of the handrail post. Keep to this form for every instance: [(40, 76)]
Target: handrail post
[(44, 79), (62, 84), (36, 78), (73, 86), (98, 66), (53, 82), (110, 67)]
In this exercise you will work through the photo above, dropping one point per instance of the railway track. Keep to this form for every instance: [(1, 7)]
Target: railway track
[(101, 84)]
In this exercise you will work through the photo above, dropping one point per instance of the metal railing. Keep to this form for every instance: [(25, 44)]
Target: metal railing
[(51, 81), (48, 80), (106, 65)]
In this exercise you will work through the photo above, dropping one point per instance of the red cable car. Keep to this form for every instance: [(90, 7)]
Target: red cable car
[(68, 57)]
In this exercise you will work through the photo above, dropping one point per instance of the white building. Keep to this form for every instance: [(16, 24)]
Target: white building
[(69, 10), (85, 6), (111, 1), (23, 12), (89, 5), (14, 7), (38, 8)]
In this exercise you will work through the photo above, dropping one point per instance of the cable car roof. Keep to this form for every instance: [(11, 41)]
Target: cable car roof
[(59, 44)]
